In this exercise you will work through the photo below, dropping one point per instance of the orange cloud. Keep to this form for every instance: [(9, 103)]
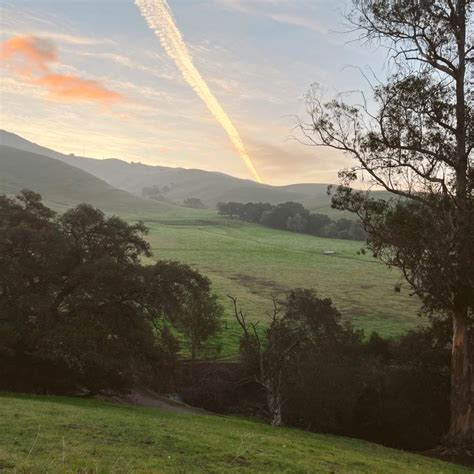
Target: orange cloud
[(72, 88), (28, 53), (32, 57)]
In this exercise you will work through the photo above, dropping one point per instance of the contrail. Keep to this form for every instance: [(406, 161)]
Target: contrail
[(159, 18)]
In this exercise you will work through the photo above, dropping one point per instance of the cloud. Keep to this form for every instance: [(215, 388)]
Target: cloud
[(71, 88), (299, 13), (17, 19), (300, 21), (75, 39), (32, 58), (28, 53)]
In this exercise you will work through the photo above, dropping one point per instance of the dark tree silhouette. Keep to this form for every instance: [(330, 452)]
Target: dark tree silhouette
[(300, 325), (78, 308)]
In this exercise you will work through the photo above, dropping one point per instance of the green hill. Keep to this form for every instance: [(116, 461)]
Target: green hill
[(254, 263), (62, 185), (248, 261), (178, 184), (56, 435)]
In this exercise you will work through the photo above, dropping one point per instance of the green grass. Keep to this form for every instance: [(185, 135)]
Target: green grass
[(254, 263), (67, 435)]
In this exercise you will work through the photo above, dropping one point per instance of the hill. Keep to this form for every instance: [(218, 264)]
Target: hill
[(248, 261), (254, 263), (59, 434), (62, 185), (177, 184)]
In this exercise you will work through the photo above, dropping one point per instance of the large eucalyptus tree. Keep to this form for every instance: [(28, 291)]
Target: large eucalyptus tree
[(417, 143)]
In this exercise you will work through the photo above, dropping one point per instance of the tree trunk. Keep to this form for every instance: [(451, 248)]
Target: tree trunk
[(274, 406), (461, 431), (272, 385)]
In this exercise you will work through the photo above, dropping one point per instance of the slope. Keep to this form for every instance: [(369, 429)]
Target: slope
[(39, 434), (62, 185)]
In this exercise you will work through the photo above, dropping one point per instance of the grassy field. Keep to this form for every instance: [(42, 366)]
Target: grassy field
[(53, 434), (254, 263)]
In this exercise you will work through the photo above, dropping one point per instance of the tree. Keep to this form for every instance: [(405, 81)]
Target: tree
[(70, 295), (296, 223), (278, 216), (267, 357), (316, 223), (300, 325), (250, 212), (418, 146), (181, 296), (77, 307), (194, 203), (232, 209)]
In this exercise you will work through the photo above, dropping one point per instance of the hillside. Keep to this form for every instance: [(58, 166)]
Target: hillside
[(53, 434), (250, 262), (62, 185), (254, 263), (177, 184)]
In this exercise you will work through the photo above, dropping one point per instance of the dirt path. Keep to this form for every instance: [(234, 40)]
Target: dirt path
[(150, 399)]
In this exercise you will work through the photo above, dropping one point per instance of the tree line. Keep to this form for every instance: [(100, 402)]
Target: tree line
[(294, 217)]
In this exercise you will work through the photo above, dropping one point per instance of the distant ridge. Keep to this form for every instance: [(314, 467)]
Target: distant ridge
[(177, 184), (63, 185)]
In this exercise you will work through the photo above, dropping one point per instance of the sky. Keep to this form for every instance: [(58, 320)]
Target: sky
[(217, 85)]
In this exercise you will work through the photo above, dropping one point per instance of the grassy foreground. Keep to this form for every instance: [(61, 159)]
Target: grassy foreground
[(59, 434)]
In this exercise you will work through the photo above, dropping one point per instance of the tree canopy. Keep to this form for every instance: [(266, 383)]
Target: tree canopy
[(76, 301)]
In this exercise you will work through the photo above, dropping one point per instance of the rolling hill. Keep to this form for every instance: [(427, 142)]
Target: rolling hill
[(59, 434), (248, 261), (177, 184), (63, 185)]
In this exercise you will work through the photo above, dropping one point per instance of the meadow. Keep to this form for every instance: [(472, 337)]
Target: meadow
[(59, 434), (255, 263)]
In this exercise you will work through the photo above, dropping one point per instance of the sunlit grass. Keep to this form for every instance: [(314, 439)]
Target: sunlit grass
[(67, 435)]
